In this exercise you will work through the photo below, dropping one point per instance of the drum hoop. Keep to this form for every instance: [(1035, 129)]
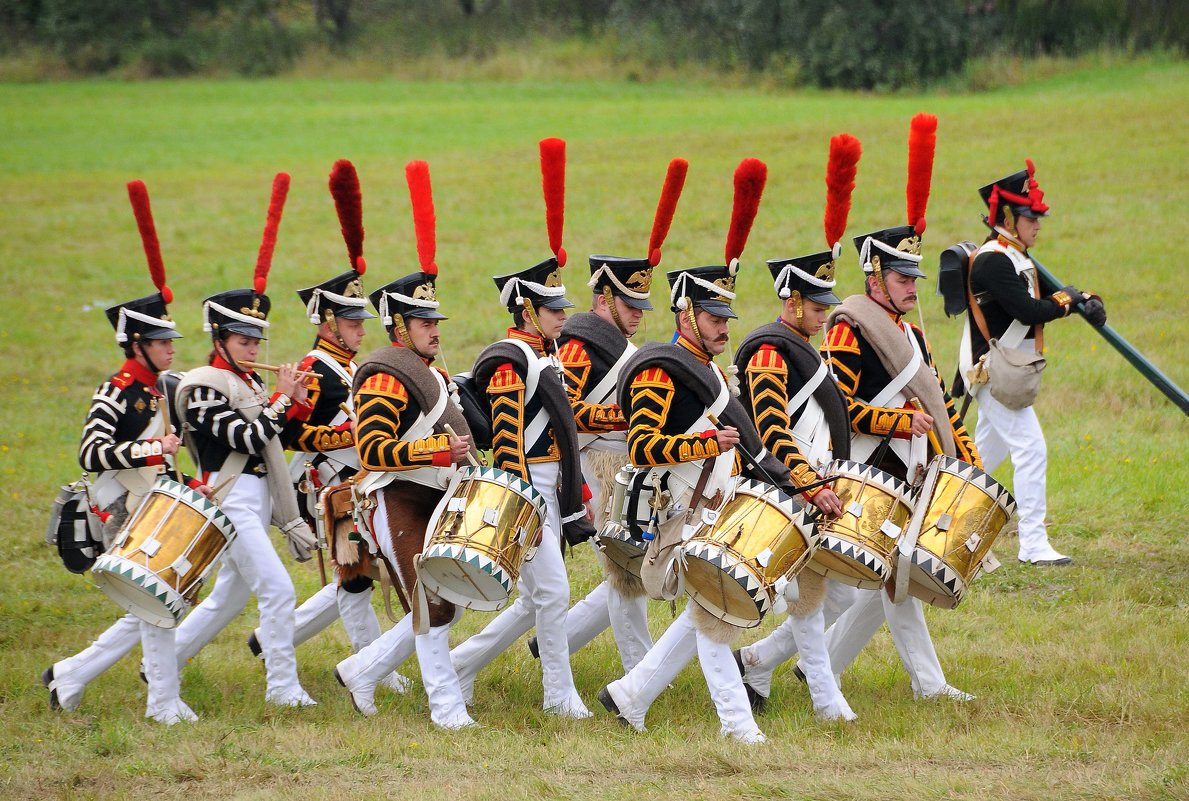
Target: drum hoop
[(510, 481), (900, 490), (193, 499)]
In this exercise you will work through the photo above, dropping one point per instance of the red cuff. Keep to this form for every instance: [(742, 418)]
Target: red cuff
[(709, 433), (154, 460), (441, 459), (586, 493), (299, 411), (194, 484)]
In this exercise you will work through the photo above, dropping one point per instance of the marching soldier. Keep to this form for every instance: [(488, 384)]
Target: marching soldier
[(233, 432), (325, 442), (673, 393), (802, 419), (404, 405), (594, 346), (128, 441), (1007, 306), (882, 362), (522, 380)]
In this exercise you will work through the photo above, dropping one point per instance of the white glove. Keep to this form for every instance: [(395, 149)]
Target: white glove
[(301, 540)]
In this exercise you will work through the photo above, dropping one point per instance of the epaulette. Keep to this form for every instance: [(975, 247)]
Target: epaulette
[(384, 384), (505, 379), (122, 379), (842, 337), (654, 376), (573, 354), (767, 359), (308, 362)]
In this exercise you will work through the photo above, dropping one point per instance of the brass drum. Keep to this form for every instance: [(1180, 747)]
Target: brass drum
[(161, 556), (741, 555), (480, 535), (858, 548), (621, 538), (960, 511)]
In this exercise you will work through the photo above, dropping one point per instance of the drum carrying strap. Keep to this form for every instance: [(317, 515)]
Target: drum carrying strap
[(811, 432), (422, 427), (536, 365), (914, 452), (601, 394)]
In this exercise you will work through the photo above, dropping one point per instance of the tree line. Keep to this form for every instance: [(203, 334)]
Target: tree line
[(857, 44)]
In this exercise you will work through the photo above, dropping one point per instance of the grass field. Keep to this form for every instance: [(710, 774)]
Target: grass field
[(1080, 673)]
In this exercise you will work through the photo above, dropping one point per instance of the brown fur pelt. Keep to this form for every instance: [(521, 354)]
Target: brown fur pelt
[(626, 584), (349, 558), (603, 467), (113, 524), (712, 627), (408, 508), (812, 588)]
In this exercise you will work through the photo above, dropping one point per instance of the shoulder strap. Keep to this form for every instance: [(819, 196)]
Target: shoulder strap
[(811, 385)]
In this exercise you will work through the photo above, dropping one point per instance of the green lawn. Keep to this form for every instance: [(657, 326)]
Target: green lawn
[(1080, 673)]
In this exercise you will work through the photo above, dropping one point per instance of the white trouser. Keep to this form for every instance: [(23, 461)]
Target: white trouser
[(331, 603), (794, 635), (635, 692), (71, 675), (375, 661), (1003, 433), (542, 601), (906, 621), (250, 566), (605, 606)]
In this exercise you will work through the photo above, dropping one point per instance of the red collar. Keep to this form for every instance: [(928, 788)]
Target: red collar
[(141, 373), (536, 341), (223, 364)]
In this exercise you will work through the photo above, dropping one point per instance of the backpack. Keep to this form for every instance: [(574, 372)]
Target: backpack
[(953, 276), (476, 409), (74, 528)]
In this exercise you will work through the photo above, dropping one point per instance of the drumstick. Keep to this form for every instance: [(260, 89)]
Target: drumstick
[(177, 467), (934, 442), (272, 368), (470, 456), (347, 410)]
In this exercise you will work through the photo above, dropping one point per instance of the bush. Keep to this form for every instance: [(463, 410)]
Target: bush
[(256, 46), (872, 44)]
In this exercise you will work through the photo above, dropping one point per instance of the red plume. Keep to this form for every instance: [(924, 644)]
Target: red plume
[(138, 193), (424, 222), (553, 181), (922, 140), (276, 204), (666, 207), (348, 202), (845, 151), (750, 177)]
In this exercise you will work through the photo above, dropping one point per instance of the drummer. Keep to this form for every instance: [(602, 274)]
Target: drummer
[(545, 455), (870, 347), (326, 440), (802, 418), (594, 346), (397, 389), (671, 391), (234, 430), (128, 441)]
